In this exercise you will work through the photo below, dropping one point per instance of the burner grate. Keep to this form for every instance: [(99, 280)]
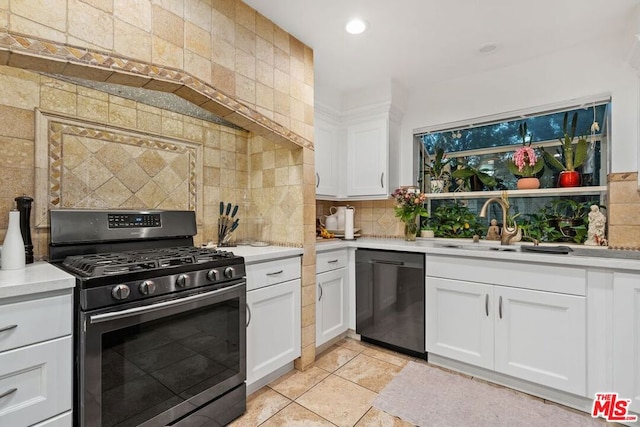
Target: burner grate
[(131, 261)]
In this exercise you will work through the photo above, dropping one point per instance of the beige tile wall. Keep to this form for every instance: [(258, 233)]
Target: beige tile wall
[(624, 211), (224, 43), (225, 160), (375, 218)]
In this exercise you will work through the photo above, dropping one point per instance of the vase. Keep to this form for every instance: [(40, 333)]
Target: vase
[(436, 185), (569, 179), (13, 256), (530, 183), (410, 229)]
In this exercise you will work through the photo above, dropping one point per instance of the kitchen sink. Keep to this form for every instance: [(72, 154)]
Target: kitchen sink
[(478, 247)]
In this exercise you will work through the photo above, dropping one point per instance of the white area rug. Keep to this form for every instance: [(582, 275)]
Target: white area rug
[(428, 396)]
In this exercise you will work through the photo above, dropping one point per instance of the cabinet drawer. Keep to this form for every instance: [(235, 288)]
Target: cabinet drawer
[(40, 376), (30, 322), (537, 276), (332, 260), (269, 273)]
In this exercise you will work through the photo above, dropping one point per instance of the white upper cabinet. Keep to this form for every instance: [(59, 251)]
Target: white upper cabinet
[(367, 158), (326, 157), (357, 150)]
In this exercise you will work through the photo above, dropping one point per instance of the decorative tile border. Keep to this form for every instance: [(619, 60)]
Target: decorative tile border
[(51, 132), (31, 53)]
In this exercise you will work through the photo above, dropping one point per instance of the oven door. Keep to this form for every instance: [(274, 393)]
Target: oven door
[(162, 361)]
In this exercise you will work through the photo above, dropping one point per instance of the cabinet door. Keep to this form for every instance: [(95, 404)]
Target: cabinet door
[(331, 309), (367, 152), (326, 158), (626, 337), (273, 331), (460, 321), (36, 382), (541, 337)]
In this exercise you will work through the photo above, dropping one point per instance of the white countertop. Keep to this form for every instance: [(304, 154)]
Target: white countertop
[(433, 246), (34, 278), (253, 254)]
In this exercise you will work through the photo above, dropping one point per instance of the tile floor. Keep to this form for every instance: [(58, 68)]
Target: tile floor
[(337, 391)]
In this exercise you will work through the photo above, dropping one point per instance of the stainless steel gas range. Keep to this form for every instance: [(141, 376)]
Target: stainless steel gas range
[(159, 324)]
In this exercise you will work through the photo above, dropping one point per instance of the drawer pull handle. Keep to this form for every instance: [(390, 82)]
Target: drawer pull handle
[(500, 307), (8, 328), (8, 392), (333, 261), (320, 286), (275, 273)]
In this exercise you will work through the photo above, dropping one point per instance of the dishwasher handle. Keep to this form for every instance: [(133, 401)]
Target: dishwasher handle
[(384, 261)]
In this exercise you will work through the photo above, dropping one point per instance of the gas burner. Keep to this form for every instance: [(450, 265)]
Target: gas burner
[(106, 264)]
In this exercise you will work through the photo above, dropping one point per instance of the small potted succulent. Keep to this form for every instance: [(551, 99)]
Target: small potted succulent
[(573, 156)]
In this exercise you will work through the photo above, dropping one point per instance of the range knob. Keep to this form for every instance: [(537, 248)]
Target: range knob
[(182, 281), (147, 287), (229, 272), (213, 275), (120, 292)]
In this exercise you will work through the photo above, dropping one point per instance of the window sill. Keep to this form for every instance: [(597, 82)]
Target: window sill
[(540, 192)]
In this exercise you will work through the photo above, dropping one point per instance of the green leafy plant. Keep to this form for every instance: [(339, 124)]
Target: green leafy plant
[(574, 156), (436, 167), (455, 220), (474, 178), (562, 220)]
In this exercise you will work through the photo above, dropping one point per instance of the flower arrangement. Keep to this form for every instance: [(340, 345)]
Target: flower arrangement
[(409, 203), (525, 163)]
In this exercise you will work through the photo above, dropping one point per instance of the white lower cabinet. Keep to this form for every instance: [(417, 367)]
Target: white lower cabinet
[(626, 337), (36, 360), (331, 309), (273, 319), (532, 335)]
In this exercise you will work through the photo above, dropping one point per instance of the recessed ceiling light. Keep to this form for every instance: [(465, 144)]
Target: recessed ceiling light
[(488, 48), (356, 26)]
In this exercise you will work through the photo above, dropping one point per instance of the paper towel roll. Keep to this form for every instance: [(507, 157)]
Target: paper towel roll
[(348, 223)]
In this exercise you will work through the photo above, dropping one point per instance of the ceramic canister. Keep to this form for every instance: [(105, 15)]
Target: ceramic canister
[(13, 257)]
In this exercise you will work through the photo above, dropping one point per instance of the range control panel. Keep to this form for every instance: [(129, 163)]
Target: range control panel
[(131, 220)]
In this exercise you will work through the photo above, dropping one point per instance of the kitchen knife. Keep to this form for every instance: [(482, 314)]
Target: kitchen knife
[(235, 211)]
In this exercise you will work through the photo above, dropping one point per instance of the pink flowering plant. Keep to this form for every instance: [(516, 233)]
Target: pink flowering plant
[(525, 162), (409, 203)]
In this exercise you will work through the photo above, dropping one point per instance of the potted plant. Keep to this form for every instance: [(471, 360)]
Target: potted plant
[(474, 178), (410, 206), (426, 231), (525, 163), (455, 220), (437, 171), (573, 157)]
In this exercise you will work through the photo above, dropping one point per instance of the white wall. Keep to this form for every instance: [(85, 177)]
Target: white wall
[(581, 71)]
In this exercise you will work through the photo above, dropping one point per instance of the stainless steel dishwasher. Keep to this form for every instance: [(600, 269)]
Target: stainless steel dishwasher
[(390, 300)]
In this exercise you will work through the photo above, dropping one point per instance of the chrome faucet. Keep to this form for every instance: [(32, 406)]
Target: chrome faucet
[(507, 232)]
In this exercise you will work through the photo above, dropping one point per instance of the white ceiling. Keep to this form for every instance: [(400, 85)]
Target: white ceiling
[(419, 42)]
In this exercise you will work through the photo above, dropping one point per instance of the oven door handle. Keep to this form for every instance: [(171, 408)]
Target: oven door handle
[(116, 315)]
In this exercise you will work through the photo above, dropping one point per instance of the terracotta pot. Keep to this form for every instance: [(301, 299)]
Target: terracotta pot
[(528, 183), (569, 179)]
